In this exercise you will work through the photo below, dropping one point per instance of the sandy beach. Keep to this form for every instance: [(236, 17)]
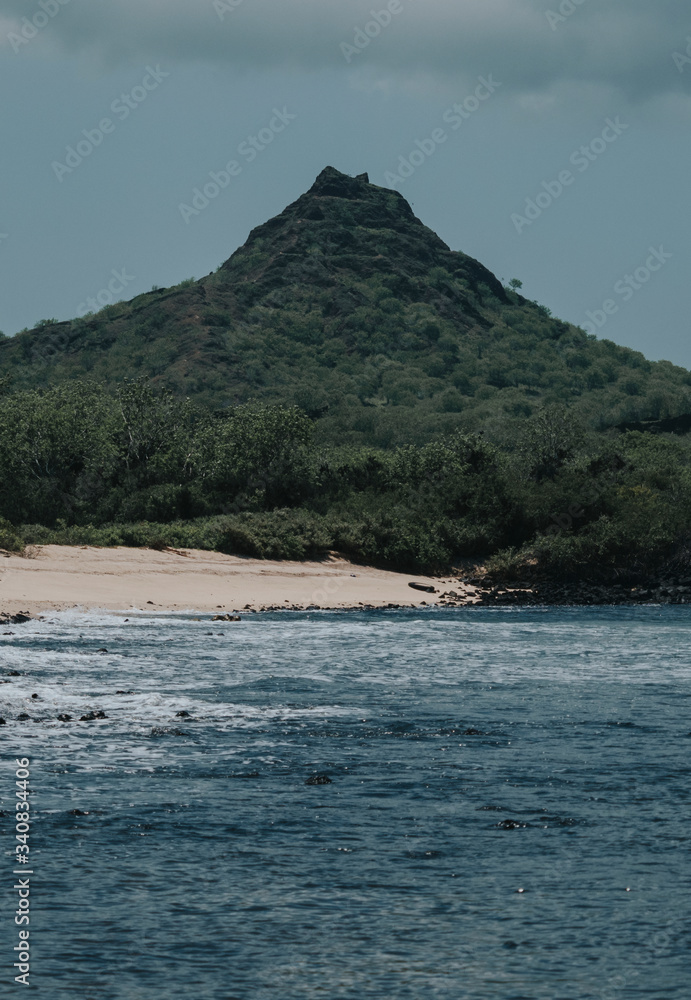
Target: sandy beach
[(57, 578)]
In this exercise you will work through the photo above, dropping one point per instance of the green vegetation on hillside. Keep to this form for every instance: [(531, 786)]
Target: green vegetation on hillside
[(81, 464), (348, 307), (346, 382)]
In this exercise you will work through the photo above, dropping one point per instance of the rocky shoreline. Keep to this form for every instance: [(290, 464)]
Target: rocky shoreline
[(475, 591), (17, 619), (552, 592)]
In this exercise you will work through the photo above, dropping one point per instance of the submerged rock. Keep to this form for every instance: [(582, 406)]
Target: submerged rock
[(319, 779), (92, 716)]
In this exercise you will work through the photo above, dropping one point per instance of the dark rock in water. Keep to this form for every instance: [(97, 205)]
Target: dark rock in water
[(168, 731), (473, 732), (226, 618), (64, 718), (319, 779), (20, 619), (421, 586), (92, 716), (78, 812), (183, 715), (13, 673), (103, 650), (2, 722), (23, 717), (124, 692), (511, 824), (34, 696)]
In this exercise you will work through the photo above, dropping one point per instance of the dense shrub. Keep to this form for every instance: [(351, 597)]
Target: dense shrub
[(81, 465)]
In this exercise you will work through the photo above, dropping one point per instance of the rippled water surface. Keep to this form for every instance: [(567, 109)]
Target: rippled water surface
[(507, 818)]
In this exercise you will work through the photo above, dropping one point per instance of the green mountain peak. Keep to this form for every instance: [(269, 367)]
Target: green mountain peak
[(349, 306)]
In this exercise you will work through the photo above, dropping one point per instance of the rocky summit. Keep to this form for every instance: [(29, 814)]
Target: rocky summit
[(348, 306)]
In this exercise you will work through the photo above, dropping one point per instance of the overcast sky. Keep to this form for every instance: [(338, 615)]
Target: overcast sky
[(550, 139)]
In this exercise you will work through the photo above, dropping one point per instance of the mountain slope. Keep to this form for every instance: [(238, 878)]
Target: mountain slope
[(347, 305)]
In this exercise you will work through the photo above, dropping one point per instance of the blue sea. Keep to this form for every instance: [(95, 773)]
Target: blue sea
[(507, 816)]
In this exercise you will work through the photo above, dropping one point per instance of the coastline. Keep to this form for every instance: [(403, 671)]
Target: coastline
[(50, 578), (59, 578)]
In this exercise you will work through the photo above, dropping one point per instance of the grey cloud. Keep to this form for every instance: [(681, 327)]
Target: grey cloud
[(621, 44)]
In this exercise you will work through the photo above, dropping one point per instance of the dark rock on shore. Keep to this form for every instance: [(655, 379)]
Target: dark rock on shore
[(423, 587), (556, 592)]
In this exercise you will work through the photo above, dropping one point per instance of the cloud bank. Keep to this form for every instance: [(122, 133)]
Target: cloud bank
[(537, 47)]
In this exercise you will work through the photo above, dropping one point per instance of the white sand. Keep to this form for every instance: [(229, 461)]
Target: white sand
[(54, 577)]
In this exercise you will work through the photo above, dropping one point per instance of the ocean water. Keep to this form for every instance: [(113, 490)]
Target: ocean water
[(507, 818)]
